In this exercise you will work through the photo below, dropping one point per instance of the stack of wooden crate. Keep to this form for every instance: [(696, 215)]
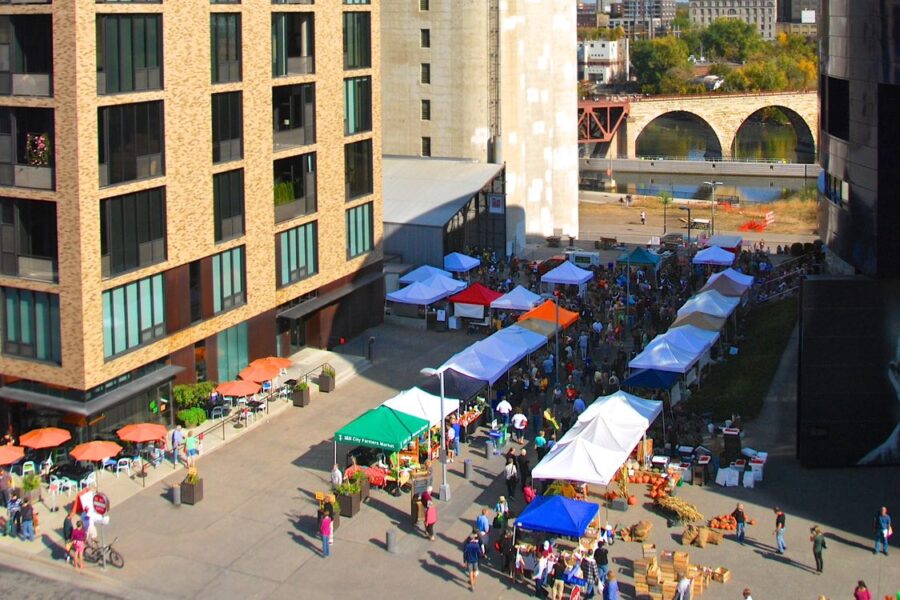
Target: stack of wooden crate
[(656, 577)]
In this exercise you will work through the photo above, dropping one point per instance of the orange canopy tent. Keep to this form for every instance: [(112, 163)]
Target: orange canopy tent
[(275, 361), (260, 373), (11, 454), (547, 312)]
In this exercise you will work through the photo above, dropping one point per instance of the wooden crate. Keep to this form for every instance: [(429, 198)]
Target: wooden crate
[(649, 550), (721, 574)]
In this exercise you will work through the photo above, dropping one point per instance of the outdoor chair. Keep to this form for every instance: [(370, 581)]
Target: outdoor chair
[(59, 456), (87, 480), (64, 484), (28, 467), (123, 464)]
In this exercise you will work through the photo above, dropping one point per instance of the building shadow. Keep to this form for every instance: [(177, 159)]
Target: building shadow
[(785, 560)]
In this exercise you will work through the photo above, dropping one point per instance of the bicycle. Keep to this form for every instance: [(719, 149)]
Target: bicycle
[(94, 553)]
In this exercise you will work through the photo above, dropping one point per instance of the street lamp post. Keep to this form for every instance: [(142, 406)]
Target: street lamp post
[(445, 485), (713, 185), (690, 265)]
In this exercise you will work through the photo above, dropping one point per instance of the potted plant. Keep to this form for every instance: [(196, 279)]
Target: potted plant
[(326, 378), (362, 479), (301, 394), (192, 487), (349, 497), (31, 488)]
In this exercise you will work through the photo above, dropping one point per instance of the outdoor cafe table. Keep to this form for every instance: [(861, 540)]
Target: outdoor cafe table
[(72, 472)]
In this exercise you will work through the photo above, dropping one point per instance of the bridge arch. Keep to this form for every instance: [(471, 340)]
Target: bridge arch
[(663, 135), (800, 150)]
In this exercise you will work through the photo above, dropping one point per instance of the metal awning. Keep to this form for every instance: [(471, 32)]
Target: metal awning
[(311, 306), (99, 403)]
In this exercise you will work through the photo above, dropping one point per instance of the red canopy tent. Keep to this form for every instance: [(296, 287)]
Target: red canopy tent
[(476, 294), (547, 312)]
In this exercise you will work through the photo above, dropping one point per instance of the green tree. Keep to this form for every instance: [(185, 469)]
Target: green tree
[(660, 59), (731, 40), (682, 20)]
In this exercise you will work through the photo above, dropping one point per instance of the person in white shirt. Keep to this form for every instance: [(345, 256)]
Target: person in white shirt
[(519, 422), (504, 408), (683, 591), (337, 478)]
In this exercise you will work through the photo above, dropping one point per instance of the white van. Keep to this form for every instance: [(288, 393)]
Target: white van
[(585, 260)]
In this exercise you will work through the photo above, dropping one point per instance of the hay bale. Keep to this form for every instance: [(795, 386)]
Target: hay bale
[(688, 535), (702, 537), (714, 537)]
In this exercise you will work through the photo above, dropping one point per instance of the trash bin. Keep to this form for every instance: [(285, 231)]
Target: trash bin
[(176, 494), (390, 541)]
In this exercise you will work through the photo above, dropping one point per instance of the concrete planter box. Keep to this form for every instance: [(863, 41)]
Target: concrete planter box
[(39, 178), (300, 397), (350, 505), (326, 383), (191, 493)]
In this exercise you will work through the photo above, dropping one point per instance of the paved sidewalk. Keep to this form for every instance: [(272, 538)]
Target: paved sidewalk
[(253, 534)]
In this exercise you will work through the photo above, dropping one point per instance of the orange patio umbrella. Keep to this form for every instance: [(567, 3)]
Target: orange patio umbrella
[(238, 389), (46, 437), (142, 432), (275, 361), (10, 455), (259, 373), (95, 451)]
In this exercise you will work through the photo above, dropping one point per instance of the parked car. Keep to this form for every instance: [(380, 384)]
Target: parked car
[(548, 264), (672, 241)]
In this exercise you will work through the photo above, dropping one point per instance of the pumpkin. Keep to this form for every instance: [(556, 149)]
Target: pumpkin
[(632, 500), (646, 478), (751, 522), (654, 494)]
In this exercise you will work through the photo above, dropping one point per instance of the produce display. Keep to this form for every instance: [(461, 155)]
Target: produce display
[(727, 522), (681, 510)]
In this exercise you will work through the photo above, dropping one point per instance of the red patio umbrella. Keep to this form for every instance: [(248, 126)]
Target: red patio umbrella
[(238, 389), (47, 437), (142, 432), (95, 451), (259, 373), (275, 361), (10, 455)]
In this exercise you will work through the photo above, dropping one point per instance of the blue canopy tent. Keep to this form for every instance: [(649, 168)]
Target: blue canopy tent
[(558, 515), (422, 273), (528, 339), (651, 379), (460, 263), (456, 385)]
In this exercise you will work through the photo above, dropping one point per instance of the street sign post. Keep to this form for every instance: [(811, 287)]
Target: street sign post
[(101, 504)]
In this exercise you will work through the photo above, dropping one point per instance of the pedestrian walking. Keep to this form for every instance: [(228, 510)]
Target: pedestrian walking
[(177, 441), (818, 540), (79, 538), (191, 446), (511, 474), (779, 530), (471, 558), (601, 556), (6, 486), (13, 508), (68, 528), (611, 589), (883, 530), (861, 592), (519, 423), (430, 519), (591, 575), (325, 531), (643, 218), (27, 514), (741, 518), (747, 595), (683, 591), (524, 466), (559, 580), (483, 526)]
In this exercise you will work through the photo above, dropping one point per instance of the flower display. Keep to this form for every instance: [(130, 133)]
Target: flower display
[(37, 149)]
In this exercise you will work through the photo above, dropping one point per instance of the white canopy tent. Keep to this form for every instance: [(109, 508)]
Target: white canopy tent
[(582, 461), (736, 276), (445, 283), (710, 302), (422, 273), (664, 356), (710, 337), (418, 293), (567, 274), (501, 348), (623, 403), (526, 338), (477, 365), (714, 256), (419, 403), (685, 339), (518, 299)]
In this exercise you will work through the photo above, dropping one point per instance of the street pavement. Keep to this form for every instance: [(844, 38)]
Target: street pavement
[(253, 535)]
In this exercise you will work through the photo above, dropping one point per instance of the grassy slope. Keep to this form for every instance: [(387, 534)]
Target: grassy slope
[(740, 384)]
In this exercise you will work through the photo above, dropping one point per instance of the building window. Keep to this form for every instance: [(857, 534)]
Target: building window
[(360, 231), (425, 73), (424, 5), (227, 127), (357, 105), (838, 114), (293, 44), (131, 142), (28, 241), (26, 147), (425, 38), (358, 169), (225, 34), (228, 204), (426, 110), (31, 325), (295, 186), (231, 350), (133, 315), (426, 146), (357, 40), (357, 1), (129, 53), (294, 113), (132, 231), (26, 55), (228, 286), (297, 254)]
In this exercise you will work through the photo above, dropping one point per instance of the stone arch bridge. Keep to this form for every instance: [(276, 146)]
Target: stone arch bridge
[(615, 124)]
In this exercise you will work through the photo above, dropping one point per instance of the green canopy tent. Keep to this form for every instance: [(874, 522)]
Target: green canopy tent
[(641, 257), (383, 428)]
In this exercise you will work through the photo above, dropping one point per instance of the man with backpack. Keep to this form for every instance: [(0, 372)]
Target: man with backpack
[(471, 558)]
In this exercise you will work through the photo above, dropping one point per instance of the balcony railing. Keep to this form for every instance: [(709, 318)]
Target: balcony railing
[(291, 138), (25, 1), (26, 176), (227, 150), (150, 165), (300, 65)]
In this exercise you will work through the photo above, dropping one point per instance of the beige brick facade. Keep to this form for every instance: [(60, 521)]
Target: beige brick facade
[(186, 96)]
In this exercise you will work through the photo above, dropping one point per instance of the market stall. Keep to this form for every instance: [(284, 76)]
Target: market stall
[(711, 303), (477, 364), (471, 302), (522, 337), (519, 298), (734, 275), (568, 274), (732, 243), (422, 273), (558, 515), (580, 460), (714, 256), (463, 387), (460, 263), (701, 320), (419, 403), (548, 312), (654, 379)]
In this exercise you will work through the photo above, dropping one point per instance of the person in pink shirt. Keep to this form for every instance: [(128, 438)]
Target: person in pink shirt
[(325, 530), (861, 592)]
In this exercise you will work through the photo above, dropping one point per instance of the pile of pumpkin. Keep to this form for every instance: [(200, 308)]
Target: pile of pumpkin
[(659, 486), (727, 522)]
